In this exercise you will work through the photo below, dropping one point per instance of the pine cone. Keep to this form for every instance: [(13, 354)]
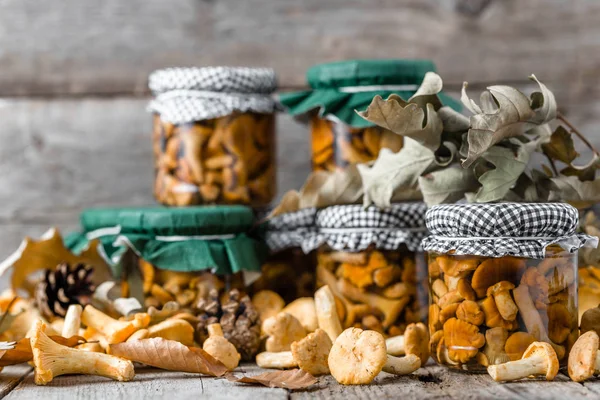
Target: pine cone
[(238, 318), (62, 287)]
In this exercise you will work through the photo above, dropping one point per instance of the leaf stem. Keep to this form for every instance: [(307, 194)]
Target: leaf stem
[(552, 165), (574, 131)]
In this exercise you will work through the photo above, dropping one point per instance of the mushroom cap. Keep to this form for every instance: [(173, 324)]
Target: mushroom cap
[(305, 311), (494, 270), (283, 329), (312, 352), (448, 312), (222, 349), (465, 290), (470, 312), (462, 339), (268, 303), (559, 322), (516, 344), (582, 359), (590, 320), (454, 267), (547, 351), (498, 287), (357, 356), (416, 341)]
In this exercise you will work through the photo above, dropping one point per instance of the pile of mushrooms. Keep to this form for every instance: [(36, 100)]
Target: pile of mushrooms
[(352, 356)]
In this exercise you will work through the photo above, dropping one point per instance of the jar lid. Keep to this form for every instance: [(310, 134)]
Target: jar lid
[(186, 95), (501, 229), (356, 228), (185, 239), (340, 88), (97, 218), (289, 230)]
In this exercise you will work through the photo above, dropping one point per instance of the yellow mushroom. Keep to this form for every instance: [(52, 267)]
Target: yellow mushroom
[(283, 330), (52, 359), (173, 329), (220, 348), (115, 331)]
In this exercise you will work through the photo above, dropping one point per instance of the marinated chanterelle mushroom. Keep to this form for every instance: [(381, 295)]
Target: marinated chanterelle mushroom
[(584, 359), (539, 359)]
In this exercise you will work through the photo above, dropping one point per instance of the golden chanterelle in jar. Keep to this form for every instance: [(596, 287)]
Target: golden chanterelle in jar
[(501, 276)]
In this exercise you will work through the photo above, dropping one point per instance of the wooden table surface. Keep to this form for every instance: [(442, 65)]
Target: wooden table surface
[(431, 382)]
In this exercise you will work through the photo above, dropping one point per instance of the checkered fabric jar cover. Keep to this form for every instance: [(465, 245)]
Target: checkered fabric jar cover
[(289, 230), (502, 229), (184, 95), (355, 228)]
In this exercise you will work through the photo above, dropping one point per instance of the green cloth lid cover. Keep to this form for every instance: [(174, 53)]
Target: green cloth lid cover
[(340, 88), (182, 239)]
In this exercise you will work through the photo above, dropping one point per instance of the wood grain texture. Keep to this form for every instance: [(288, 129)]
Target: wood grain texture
[(11, 376), (149, 383), (432, 382), (81, 47)]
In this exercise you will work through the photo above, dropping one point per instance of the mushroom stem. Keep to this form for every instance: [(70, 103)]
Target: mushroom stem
[(72, 321), (327, 315), (402, 365), (279, 360), (52, 359), (513, 370), (395, 345), (114, 330), (215, 330)]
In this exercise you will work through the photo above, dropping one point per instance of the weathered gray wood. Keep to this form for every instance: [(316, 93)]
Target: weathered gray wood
[(11, 376), (432, 382), (149, 383), (111, 46)]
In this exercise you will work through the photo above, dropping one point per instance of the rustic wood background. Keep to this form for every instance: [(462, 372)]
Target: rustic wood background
[(74, 133)]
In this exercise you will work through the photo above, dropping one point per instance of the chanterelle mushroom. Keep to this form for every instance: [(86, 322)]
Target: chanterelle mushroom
[(267, 303), (501, 293), (416, 341), (516, 345), (470, 312), (357, 356), (590, 320), (312, 352), (584, 359), (304, 310), (462, 339), (495, 270), (493, 350), (220, 348), (283, 330), (559, 322), (539, 359)]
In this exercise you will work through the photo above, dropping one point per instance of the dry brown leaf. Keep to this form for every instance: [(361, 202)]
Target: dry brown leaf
[(291, 379), (48, 252), (170, 355), (21, 352)]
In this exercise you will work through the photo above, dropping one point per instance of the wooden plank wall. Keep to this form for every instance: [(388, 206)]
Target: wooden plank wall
[(74, 133)]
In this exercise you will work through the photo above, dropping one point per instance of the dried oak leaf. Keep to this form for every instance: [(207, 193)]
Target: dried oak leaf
[(48, 252), (12, 353), (292, 379), (571, 189), (447, 185), (393, 171), (505, 112), (497, 182), (561, 146), (416, 118), (170, 355)]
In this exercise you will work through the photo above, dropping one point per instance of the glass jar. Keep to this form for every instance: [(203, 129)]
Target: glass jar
[(226, 160), (502, 276), (381, 290), (340, 136), (290, 273), (337, 145), (214, 136), (487, 310)]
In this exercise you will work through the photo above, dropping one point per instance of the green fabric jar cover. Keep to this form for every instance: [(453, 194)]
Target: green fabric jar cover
[(340, 88), (208, 238)]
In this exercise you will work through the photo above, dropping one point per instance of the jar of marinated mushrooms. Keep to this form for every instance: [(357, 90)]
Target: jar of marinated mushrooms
[(288, 270), (214, 135), (502, 276), (339, 135), (372, 262), (177, 255)]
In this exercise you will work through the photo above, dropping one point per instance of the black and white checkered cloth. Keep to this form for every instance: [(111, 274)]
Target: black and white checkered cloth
[(290, 230), (185, 95), (355, 228), (501, 229)]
